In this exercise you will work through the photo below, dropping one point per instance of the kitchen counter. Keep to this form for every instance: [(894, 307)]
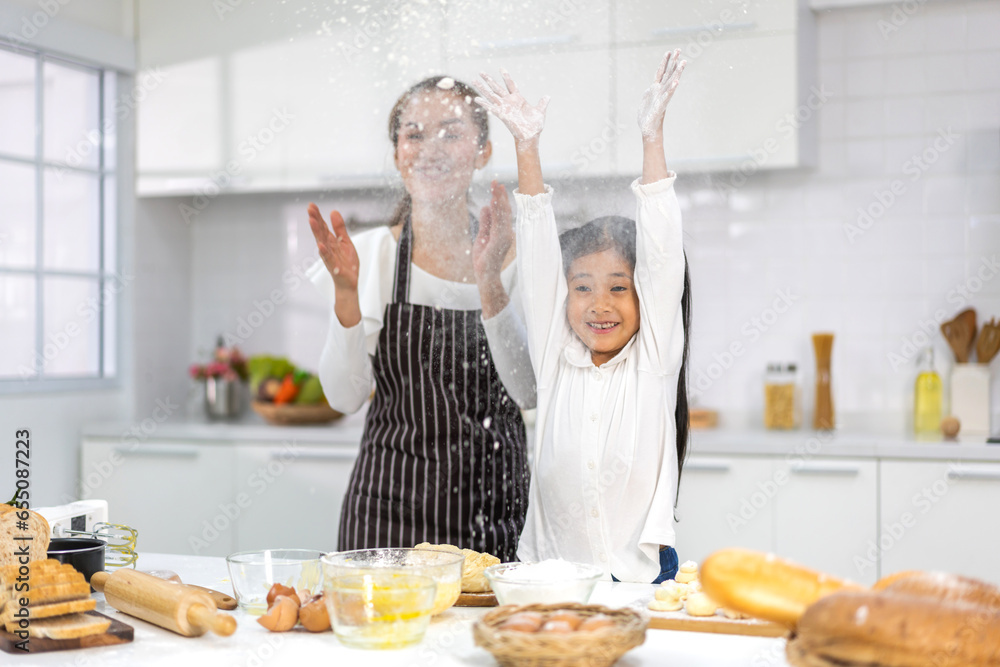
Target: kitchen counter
[(448, 641)]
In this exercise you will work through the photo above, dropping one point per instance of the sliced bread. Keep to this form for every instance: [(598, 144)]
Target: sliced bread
[(46, 610), (37, 528), (70, 626)]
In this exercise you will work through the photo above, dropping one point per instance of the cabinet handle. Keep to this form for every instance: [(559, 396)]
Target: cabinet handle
[(167, 451), (820, 468), (688, 29), (333, 455), (521, 42), (986, 475), (702, 465)]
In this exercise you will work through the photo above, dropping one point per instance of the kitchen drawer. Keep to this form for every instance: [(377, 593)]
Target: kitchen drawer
[(290, 495), (940, 516), (177, 495)]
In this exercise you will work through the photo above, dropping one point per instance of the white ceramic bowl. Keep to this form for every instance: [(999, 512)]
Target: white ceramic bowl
[(548, 582)]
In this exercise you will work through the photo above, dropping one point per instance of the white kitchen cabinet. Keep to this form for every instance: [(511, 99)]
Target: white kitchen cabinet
[(177, 495), (292, 495), (722, 505), (940, 515), (826, 517), (638, 21), (214, 498)]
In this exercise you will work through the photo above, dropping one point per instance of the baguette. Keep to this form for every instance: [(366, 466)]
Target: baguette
[(765, 586), (855, 629), (945, 587)]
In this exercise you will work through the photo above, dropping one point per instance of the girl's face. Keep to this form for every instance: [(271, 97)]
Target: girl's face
[(437, 149), (603, 306)]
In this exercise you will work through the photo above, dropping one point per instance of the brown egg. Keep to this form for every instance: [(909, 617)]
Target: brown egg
[(596, 622), (571, 617), (558, 627), (279, 589), (950, 426), (519, 623)]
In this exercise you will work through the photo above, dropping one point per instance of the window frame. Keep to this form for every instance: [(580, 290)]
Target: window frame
[(109, 200)]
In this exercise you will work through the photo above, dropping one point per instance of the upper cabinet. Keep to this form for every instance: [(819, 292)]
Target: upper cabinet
[(296, 95)]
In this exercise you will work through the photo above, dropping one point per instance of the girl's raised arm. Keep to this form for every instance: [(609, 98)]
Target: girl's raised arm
[(525, 123), (652, 109)]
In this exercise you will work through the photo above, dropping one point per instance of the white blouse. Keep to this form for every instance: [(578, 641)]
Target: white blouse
[(604, 477), (345, 368)]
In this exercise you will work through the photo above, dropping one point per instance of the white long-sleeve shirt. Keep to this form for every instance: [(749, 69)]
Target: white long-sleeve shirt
[(604, 476), (345, 368)]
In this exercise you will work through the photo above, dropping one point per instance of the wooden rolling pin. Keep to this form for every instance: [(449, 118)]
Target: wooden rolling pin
[(183, 610)]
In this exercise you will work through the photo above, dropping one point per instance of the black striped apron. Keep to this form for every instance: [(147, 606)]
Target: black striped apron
[(443, 457)]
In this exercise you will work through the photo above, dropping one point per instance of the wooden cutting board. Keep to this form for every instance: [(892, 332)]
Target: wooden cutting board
[(678, 620), (476, 600), (118, 633)]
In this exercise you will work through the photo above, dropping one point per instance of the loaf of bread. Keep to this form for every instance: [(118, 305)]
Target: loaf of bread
[(891, 629), (473, 579), (37, 528), (943, 586), (764, 586), (47, 602)]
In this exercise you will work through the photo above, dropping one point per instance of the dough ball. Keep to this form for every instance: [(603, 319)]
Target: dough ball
[(665, 605), (699, 604)]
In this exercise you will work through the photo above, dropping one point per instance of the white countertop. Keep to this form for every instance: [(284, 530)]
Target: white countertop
[(448, 641), (732, 441)]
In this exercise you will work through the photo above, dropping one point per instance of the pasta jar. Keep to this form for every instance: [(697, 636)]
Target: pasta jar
[(782, 403)]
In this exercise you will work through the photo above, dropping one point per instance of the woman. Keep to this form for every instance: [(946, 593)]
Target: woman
[(442, 458)]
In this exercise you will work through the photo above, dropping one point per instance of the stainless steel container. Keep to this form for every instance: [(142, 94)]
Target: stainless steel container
[(225, 399)]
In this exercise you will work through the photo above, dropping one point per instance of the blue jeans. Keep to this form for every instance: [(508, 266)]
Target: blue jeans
[(668, 566)]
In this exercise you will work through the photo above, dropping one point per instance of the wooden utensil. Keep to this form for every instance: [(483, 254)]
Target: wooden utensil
[(988, 341), (182, 609), (823, 418), (715, 624), (960, 334), (117, 633)]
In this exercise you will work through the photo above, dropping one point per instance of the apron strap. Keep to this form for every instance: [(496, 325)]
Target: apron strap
[(401, 281)]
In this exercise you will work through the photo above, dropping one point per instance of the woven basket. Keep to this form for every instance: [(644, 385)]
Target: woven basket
[(599, 648), (295, 415)]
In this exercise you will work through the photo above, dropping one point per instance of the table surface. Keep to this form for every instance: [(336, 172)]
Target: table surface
[(448, 641)]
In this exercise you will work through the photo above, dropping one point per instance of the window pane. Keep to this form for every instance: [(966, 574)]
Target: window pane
[(110, 224), (72, 226), (110, 119), (71, 326), (18, 216), (112, 288), (71, 121), (17, 326), (17, 104)]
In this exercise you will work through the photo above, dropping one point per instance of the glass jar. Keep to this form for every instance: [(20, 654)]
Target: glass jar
[(782, 403)]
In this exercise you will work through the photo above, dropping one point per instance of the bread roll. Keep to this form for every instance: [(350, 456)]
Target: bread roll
[(765, 586), (868, 628)]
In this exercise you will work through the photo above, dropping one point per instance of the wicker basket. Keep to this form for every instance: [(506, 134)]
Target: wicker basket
[(295, 415), (599, 648)]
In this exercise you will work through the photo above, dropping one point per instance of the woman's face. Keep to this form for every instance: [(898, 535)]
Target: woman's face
[(437, 149)]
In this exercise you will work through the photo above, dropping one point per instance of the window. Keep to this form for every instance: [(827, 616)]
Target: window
[(58, 223)]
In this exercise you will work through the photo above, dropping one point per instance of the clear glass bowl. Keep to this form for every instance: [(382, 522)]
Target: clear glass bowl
[(548, 582), (384, 609), (254, 572), (444, 567)]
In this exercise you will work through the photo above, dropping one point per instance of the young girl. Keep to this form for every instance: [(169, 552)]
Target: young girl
[(443, 456), (607, 336)]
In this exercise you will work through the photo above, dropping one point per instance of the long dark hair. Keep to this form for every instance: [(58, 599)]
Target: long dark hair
[(618, 233), (441, 84)]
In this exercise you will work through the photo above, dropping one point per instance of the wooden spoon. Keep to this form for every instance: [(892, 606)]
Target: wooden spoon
[(988, 342), (960, 334)]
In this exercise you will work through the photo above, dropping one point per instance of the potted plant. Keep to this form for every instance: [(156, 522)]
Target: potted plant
[(225, 378)]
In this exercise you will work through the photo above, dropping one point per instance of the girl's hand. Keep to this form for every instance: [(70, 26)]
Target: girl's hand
[(335, 249), (496, 235), (654, 101), (523, 120)]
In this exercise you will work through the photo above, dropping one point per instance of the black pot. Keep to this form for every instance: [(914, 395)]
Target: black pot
[(85, 554)]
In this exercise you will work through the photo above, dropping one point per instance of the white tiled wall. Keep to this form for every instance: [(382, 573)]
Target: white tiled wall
[(891, 96)]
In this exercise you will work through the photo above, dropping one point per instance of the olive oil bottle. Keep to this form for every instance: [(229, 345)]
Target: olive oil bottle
[(927, 395)]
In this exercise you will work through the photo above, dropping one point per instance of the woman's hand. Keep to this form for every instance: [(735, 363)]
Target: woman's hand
[(490, 249), (496, 235), (335, 249), (341, 260), (524, 121), (654, 101)]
